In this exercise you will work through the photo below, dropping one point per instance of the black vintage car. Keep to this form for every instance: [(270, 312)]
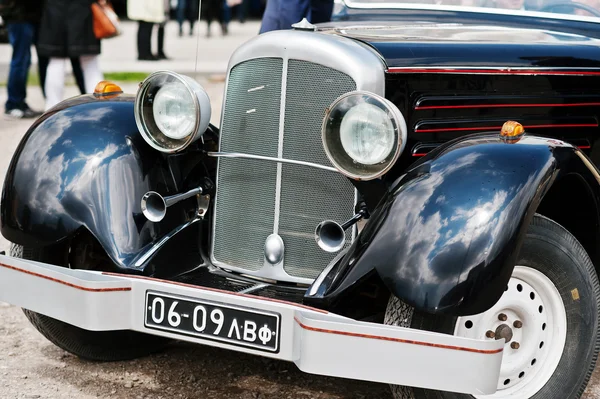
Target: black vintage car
[(407, 195)]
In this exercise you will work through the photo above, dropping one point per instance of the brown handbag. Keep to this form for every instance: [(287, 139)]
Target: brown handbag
[(106, 22)]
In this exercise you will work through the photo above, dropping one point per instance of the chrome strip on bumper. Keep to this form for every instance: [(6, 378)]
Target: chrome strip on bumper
[(316, 341)]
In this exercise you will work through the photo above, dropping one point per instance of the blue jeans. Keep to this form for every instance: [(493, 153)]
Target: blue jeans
[(21, 37), (226, 13), (181, 6), (281, 14), (187, 9)]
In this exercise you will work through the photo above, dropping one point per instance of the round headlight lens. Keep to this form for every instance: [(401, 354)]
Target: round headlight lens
[(174, 110), (363, 134), (171, 111), (367, 134)]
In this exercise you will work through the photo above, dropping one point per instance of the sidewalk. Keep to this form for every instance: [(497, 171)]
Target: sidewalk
[(120, 54)]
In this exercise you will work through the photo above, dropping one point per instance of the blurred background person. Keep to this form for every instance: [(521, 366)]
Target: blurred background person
[(595, 4), (510, 4), (67, 31), (281, 14), (187, 10), (534, 5), (160, 54), (226, 16), (239, 7), (242, 10), (75, 66), (147, 13), (22, 18), (213, 10)]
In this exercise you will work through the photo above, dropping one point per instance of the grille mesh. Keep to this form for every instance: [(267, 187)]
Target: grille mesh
[(309, 195), (246, 188), (244, 214)]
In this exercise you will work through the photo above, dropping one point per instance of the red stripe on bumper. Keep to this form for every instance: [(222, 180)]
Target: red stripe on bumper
[(64, 282), (404, 341)]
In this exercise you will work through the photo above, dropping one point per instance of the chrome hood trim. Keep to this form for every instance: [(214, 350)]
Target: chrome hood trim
[(355, 59)]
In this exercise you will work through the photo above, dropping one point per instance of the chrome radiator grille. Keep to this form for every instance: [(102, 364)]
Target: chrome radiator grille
[(254, 198)]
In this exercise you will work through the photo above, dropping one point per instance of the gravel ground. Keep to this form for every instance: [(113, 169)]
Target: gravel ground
[(31, 367)]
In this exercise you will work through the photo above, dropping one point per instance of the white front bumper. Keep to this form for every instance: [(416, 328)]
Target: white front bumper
[(316, 341)]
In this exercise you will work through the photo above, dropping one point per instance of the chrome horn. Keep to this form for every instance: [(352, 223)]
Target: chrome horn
[(154, 205), (331, 236)]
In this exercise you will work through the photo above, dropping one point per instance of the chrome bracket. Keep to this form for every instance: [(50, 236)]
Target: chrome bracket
[(145, 256), (203, 204)]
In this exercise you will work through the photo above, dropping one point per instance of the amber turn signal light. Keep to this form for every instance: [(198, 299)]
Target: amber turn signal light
[(107, 90), (512, 131)]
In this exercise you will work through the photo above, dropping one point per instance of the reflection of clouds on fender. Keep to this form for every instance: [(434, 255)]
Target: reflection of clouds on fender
[(425, 230), (63, 176), (447, 223), (43, 171), (86, 166)]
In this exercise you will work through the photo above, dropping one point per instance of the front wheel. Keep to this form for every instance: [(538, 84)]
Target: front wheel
[(548, 316), (91, 345)]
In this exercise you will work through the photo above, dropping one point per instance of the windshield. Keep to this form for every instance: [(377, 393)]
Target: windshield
[(572, 9)]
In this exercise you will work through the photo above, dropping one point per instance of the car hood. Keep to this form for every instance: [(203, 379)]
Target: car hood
[(425, 44)]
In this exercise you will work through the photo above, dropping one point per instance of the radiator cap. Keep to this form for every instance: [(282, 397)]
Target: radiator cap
[(304, 25)]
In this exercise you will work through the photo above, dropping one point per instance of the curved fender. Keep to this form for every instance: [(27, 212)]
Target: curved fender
[(446, 236), (84, 164)]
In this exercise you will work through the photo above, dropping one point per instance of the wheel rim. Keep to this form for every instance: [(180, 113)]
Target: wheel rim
[(532, 316)]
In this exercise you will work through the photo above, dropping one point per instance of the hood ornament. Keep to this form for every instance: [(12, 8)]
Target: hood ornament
[(304, 25)]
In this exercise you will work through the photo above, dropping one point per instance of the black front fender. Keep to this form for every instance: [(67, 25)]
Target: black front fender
[(85, 165), (446, 236)]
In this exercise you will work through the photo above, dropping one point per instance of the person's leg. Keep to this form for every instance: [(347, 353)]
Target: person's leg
[(91, 71), (270, 19), (55, 81), (161, 42), (140, 37), (243, 10), (21, 37), (292, 11), (42, 67), (181, 7), (226, 13), (210, 15), (143, 39), (193, 14), (225, 17), (42, 62), (78, 74), (320, 11)]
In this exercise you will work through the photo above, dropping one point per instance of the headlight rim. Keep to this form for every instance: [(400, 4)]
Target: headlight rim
[(398, 121), (143, 128)]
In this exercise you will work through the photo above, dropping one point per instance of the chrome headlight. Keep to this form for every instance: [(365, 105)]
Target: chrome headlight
[(171, 111), (363, 135)]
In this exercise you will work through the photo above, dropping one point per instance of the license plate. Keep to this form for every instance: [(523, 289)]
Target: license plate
[(213, 321)]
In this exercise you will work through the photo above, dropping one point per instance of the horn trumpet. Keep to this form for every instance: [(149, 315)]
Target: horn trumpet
[(331, 236), (154, 205)]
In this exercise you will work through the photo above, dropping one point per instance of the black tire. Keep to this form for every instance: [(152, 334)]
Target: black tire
[(90, 345), (552, 250)]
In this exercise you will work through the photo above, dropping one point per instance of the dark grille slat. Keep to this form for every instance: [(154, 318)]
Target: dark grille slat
[(246, 188)]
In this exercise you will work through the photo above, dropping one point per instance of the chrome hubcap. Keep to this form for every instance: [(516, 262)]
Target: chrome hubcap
[(530, 317)]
